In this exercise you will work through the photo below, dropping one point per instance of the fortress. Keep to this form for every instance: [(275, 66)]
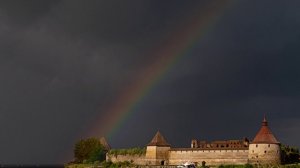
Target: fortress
[(263, 149)]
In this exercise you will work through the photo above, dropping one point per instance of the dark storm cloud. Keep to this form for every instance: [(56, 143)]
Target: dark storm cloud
[(62, 62), (246, 67)]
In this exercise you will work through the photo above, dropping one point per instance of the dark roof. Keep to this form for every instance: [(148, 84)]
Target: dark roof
[(158, 140), (104, 143), (265, 135)]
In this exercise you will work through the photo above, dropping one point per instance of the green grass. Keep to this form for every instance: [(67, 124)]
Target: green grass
[(81, 165), (291, 166), (131, 151), (261, 166), (236, 166), (103, 164)]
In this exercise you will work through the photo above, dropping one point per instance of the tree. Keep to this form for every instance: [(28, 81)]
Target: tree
[(289, 154), (97, 154), (90, 150)]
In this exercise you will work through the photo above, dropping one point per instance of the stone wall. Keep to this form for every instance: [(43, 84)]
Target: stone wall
[(178, 157), (211, 157), (135, 159)]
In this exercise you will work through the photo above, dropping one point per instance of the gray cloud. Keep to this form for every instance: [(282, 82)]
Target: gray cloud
[(63, 62)]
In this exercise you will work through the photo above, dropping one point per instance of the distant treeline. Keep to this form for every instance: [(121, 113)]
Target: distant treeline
[(289, 154)]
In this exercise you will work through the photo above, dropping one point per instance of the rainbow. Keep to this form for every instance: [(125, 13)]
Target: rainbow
[(178, 43)]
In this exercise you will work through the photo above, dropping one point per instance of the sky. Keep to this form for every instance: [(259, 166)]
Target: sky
[(63, 64)]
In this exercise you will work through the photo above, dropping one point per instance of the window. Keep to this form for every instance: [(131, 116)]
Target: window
[(269, 145), (265, 151), (256, 145)]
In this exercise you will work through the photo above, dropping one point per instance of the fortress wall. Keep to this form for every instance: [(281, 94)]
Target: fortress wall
[(135, 159), (211, 157), (162, 153)]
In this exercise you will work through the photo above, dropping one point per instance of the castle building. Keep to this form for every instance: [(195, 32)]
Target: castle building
[(264, 149), (227, 144)]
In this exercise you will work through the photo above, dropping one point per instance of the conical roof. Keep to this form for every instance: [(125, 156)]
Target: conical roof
[(265, 135), (158, 140), (104, 143)]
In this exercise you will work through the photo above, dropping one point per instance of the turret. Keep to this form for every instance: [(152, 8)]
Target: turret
[(265, 148), (157, 152), (104, 143), (194, 143)]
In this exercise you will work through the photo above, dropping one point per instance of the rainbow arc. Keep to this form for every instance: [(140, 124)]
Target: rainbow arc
[(178, 43)]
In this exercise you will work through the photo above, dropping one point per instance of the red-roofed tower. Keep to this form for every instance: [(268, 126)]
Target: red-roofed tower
[(265, 148), (157, 152)]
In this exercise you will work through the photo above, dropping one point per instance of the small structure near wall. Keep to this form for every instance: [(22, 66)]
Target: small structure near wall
[(104, 143), (227, 144)]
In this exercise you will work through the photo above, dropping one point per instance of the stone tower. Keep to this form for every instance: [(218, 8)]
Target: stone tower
[(104, 143), (157, 152), (264, 149)]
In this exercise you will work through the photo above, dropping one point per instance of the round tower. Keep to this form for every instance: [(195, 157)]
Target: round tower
[(265, 148), (157, 152)]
